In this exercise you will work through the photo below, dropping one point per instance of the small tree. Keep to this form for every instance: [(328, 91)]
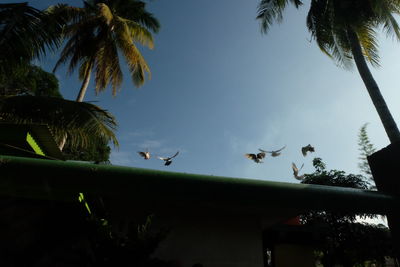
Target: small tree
[(366, 149)]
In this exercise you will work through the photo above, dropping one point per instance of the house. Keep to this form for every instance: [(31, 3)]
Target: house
[(213, 221)]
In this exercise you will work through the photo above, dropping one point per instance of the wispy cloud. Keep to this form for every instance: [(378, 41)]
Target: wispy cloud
[(233, 141), (136, 134), (150, 144), (122, 158)]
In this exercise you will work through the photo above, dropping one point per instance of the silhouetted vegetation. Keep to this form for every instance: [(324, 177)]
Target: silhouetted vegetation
[(46, 233), (29, 80), (344, 240)]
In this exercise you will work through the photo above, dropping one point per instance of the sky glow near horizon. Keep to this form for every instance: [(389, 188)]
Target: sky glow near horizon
[(220, 89)]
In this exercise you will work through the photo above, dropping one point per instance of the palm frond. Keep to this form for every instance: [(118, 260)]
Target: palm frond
[(82, 122), (135, 10), (80, 47), (68, 14), (384, 11), (330, 37), (136, 63), (104, 13), (139, 33), (270, 11), (107, 66), (368, 41), (25, 33)]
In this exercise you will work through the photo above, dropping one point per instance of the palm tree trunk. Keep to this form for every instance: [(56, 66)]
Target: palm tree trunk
[(372, 87), (84, 87), (80, 97)]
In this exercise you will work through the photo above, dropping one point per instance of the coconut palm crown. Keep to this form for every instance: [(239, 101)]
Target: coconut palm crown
[(346, 31), (98, 32)]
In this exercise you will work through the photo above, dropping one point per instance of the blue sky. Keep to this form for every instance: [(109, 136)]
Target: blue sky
[(220, 89)]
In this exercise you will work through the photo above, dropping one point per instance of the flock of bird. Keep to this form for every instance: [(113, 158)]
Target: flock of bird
[(257, 158)]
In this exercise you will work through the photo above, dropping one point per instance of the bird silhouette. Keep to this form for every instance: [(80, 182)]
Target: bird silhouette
[(256, 157), (168, 160), (144, 154), (296, 171), (274, 153), (306, 149)]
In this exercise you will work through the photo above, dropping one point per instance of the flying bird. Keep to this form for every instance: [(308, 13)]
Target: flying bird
[(168, 160), (296, 171), (256, 157), (274, 153), (306, 149), (145, 155)]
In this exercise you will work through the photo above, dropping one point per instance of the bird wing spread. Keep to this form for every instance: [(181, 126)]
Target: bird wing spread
[(280, 149), (176, 154), (295, 169)]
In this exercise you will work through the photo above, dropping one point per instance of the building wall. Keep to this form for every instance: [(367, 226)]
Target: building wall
[(213, 241)]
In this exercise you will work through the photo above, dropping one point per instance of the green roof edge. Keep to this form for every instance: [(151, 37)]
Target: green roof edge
[(39, 178)]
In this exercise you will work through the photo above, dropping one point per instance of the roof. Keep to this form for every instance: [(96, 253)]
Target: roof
[(40, 178), (14, 140)]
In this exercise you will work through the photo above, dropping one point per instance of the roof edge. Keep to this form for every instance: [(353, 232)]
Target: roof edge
[(52, 178)]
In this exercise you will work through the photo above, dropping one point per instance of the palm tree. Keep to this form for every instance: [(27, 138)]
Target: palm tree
[(83, 123), (97, 33), (346, 31)]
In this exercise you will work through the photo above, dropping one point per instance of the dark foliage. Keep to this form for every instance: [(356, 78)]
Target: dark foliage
[(25, 33), (97, 152), (29, 80), (344, 240)]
